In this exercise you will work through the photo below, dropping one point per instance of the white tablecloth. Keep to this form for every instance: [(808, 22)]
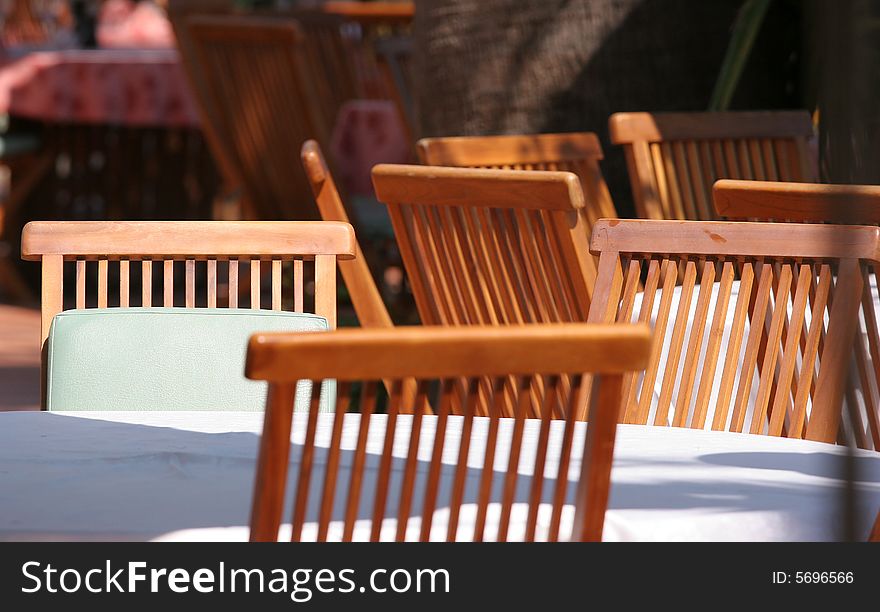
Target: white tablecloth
[(188, 475), (700, 369)]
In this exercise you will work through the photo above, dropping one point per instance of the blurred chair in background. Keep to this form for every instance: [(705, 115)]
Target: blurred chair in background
[(674, 158)]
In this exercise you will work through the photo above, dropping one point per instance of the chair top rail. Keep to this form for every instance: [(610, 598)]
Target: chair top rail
[(110, 239), (445, 352), (443, 186), (731, 238), (626, 128), (808, 202), (509, 150)]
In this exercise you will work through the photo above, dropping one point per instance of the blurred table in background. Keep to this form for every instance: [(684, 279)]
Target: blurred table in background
[(120, 138)]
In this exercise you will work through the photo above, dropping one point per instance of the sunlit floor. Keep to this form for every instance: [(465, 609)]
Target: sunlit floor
[(19, 358)]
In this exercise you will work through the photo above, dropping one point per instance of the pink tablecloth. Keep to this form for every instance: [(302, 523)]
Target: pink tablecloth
[(136, 87)]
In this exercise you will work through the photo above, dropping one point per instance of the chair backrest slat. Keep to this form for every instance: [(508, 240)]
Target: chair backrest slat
[(487, 247), (113, 246), (577, 152), (674, 158), (388, 496), (759, 330)]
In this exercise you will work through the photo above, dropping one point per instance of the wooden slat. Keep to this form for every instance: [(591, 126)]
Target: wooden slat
[(678, 332), (753, 344), (305, 467), (432, 485), (811, 351), (212, 283), (790, 351), (102, 283), (381, 493), (510, 477), (731, 361), (255, 283), (409, 470), (325, 288), (124, 283), (190, 266), (168, 283), (274, 453), (367, 407), (694, 346), (80, 283), (298, 283), (485, 486), (670, 276), (233, 283), (458, 484), (146, 283), (774, 337), (713, 346), (276, 284), (842, 325), (333, 456)]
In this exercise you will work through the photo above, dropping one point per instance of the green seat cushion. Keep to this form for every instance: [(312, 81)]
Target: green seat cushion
[(165, 359)]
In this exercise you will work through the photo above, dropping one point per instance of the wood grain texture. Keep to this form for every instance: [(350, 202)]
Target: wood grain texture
[(673, 159), (797, 357), (805, 202), (191, 242), (449, 356)]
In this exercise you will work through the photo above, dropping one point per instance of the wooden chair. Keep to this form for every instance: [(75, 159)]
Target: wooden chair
[(674, 158), (579, 153), (365, 296), (803, 202), (268, 84), (490, 247), (89, 253), (393, 57), (443, 356), (789, 373)]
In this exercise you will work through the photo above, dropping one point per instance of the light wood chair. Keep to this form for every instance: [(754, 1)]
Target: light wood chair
[(802, 202), (799, 365), (267, 84), (446, 357), (674, 158), (365, 296), (490, 247), (579, 153), (89, 253)]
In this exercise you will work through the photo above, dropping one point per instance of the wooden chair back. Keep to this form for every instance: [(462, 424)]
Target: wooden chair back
[(674, 158), (394, 62), (442, 360), (490, 247), (801, 202), (579, 153), (144, 255), (365, 296), (269, 84), (793, 352)]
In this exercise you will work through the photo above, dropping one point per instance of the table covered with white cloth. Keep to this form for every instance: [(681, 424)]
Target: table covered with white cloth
[(189, 476)]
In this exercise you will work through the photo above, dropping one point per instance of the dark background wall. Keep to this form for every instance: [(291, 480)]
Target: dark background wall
[(526, 66)]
